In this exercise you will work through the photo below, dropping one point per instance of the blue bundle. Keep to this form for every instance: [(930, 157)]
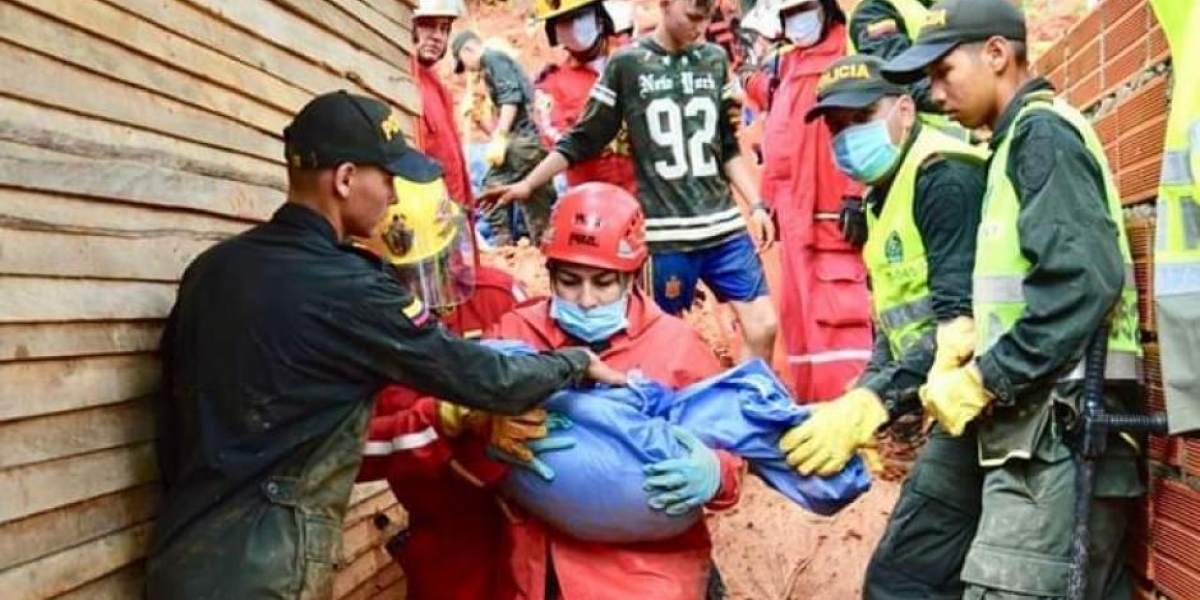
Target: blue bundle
[(597, 491)]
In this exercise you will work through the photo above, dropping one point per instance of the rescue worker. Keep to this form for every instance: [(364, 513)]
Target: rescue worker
[(885, 28), (277, 342), (674, 96), (1052, 267), (1177, 255), (828, 330), (438, 134), (515, 146), (923, 211), (596, 301), (420, 444), (585, 30)]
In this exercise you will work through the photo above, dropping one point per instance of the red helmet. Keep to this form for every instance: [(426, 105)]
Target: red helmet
[(598, 225)]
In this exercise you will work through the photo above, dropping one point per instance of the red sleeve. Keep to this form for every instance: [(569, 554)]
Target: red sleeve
[(404, 437), (756, 86), (732, 469)]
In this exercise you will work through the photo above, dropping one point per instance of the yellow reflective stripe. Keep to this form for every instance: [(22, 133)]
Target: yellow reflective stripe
[(1176, 279), (414, 309), (1177, 168), (908, 313), (1118, 365)]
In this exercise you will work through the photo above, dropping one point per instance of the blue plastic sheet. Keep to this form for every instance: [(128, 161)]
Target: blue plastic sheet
[(597, 491)]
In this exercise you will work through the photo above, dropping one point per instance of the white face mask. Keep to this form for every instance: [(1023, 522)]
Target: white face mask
[(804, 28), (580, 33)]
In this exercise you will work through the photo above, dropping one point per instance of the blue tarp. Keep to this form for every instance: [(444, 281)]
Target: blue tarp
[(597, 492)]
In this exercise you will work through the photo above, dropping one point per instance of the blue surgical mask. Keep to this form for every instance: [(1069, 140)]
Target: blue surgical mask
[(593, 324), (865, 152), (804, 28)]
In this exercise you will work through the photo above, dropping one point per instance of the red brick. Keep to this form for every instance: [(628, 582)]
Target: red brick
[(1086, 92), (1147, 103), (1191, 456), (1052, 58), (1120, 68), (1084, 62), (1158, 45), (1139, 183), (1086, 31), (1145, 142), (1177, 580), (1113, 10)]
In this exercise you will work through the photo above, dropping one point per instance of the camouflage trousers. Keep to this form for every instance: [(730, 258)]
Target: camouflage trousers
[(523, 154)]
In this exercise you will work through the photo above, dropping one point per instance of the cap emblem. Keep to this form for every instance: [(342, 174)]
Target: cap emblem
[(390, 126)]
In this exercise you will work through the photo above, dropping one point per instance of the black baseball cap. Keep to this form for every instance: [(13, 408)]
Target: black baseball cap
[(340, 127), (456, 46), (852, 82), (953, 22)]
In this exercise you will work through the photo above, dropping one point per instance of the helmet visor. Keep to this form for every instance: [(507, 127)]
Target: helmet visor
[(446, 279)]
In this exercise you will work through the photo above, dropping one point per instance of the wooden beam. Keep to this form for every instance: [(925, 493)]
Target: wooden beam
[(32, 168), (361, 570), (152, 256), (21, 341), (39, 388), (28, 441), (100, 39), (23, 73), (67, 570), (38, 299), (361, 492), (399, 13), (44, 486), (352, 28), (386, 584), (124, 584), (53, 531), (56, 129), (364, 535), (367, 508), (288, 30)]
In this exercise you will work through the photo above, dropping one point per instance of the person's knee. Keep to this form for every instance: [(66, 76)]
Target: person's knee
[(759, 322)]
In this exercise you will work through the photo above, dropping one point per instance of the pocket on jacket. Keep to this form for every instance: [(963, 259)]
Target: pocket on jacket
[(322, 544), (840, 299)]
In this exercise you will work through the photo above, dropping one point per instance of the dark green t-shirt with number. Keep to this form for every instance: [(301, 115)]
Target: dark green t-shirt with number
[(682, 121)]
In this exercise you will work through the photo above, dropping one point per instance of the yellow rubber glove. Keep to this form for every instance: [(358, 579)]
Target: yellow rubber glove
[(955, 397), (955, 344), (834, 432), (496, 150), (511, 435), (456, 419)]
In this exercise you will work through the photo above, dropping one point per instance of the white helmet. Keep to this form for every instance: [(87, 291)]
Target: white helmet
[(621, 13), (438, 8)]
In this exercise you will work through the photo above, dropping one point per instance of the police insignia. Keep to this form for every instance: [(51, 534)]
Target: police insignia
[(894, 249)]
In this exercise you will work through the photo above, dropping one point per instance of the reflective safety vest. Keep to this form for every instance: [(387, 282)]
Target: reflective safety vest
[(895, 253), (1000, 268), (1177, 244)]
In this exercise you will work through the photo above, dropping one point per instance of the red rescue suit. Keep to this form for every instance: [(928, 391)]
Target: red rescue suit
[(438, 135), (561, 92), (823, 296), (455, 547), (665, 349)]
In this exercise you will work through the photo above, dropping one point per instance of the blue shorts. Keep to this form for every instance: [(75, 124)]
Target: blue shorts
[(731, 269)]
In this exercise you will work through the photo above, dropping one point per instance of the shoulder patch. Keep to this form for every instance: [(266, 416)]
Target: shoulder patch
[(880, 29), (416, 312), (1036, 158)]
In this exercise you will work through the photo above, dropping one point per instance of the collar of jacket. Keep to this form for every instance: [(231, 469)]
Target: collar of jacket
[(1009, 116), (298, 216), (642, 314)]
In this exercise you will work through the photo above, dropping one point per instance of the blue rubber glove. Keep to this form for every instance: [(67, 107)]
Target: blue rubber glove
[(679, 485)]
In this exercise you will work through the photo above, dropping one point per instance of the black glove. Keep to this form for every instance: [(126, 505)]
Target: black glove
[(853, 221)]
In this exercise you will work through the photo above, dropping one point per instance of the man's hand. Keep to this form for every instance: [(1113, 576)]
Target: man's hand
[(955, 398), (823, 444), (496, 150), (511, 435), (600, 372), (762, 228), (505, 194)]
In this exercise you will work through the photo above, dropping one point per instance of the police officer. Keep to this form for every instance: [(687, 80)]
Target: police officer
[(1052, 267), (1177, 257), (922, 212), (278, 340)]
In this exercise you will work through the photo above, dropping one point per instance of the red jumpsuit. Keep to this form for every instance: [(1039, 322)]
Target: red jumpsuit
[(438, 134), (823, 301), (668, 350), (561, 92), (456, 546)]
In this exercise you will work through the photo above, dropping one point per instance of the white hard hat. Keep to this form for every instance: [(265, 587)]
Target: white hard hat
[(763, 19), (438, 8), (621, 13)]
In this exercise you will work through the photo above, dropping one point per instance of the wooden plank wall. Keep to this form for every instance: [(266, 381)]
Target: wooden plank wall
[(134, 134)]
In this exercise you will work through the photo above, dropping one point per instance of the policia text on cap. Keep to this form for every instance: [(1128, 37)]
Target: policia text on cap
[(278, 340)]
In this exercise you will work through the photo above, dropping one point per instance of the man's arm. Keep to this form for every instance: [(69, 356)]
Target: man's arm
[(504, 123), (1067, 234), (949, 200)]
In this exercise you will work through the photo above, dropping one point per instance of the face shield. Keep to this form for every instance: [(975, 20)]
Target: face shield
[(430, 243)]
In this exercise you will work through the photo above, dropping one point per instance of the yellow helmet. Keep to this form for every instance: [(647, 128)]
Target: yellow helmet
[(427, 236), (544, 10)]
